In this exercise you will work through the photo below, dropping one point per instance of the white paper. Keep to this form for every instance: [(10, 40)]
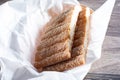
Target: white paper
[(20, 22)]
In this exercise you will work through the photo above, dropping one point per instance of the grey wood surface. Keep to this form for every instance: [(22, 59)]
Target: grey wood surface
[(2, 1), (98, 76), (108, 67)]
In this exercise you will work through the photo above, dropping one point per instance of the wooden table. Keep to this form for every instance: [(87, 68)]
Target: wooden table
[(108, 67)]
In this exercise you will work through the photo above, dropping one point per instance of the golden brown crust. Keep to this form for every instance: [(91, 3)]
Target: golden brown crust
[(69, 64), (61, 56), (62, 18), (60, 28), (50, 57), (77, 42), (79, 38), (79, 47), (52, 50), (55, 39), (78, 51), (55, 46)]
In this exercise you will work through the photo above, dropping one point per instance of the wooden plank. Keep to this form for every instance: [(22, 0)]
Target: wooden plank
[(96, 76), (2, 1)]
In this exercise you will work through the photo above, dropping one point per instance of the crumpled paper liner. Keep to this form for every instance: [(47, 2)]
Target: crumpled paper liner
[(20, 22)]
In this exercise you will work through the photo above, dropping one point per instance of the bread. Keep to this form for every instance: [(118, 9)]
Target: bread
[(66, 65), (56, 42), (80, 43)]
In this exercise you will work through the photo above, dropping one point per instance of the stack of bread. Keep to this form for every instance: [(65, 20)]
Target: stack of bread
[(63, 44)]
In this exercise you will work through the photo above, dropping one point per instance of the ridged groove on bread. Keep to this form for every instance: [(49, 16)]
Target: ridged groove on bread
[(55, 39), (78, 34), (52, 50), (61, 56), (60, 19), (60, 28), (79, 50), (69, 64), (78, 42)]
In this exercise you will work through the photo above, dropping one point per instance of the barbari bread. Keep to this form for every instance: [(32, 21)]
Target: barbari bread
[(80, 43), (57, 39)]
